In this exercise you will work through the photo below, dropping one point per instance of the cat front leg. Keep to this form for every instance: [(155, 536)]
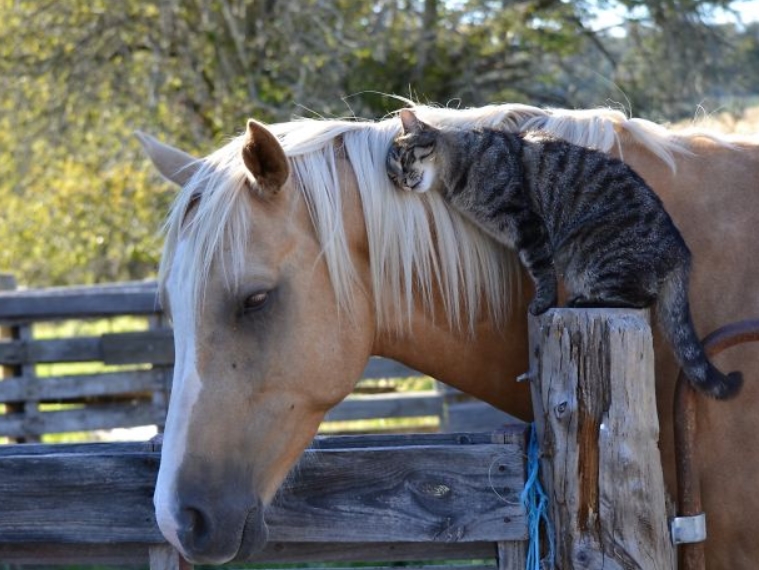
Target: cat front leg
[(546, 291), (536, 254)]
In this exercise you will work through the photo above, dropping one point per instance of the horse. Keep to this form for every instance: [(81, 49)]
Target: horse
[(289, 260)]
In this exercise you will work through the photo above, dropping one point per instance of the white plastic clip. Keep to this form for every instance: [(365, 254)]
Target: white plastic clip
[(686, 530)]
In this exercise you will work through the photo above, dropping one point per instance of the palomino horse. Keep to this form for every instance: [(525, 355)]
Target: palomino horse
[(289, 260)]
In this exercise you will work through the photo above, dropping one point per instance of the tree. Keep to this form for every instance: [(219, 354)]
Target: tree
[(79, 76)]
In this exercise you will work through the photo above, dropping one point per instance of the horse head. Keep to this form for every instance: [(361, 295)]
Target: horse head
[(261, 350)]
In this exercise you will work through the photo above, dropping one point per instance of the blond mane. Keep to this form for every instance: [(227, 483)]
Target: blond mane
[(416, 243)]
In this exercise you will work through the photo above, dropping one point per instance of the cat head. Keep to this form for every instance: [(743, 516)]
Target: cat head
[(411, 163)]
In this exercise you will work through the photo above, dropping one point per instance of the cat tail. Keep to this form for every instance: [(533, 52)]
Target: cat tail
[(675, 320)]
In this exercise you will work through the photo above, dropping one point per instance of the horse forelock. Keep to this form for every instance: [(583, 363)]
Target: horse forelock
[(209, 216)]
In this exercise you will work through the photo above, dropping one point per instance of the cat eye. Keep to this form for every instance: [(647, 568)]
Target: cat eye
[(422, 152)]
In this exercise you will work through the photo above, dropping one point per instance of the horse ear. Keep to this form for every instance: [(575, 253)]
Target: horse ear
[(264, 157), (410, 122), (173, 164)]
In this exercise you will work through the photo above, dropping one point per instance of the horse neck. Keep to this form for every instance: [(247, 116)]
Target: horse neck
[(484, 363)]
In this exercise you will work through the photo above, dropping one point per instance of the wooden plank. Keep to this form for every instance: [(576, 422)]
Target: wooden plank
[(592, 377), (83, 499), (57, 388), (417, 494), (84, 449), (86, 418), (7, 282), (10, 334), (378, 367), (288, 552), (511, 555), (402, 404), (144, 347), (166, 557), (80, 302), (514, 433), (509, 434), (423, 565), (474, 416), (155, 346), (276, 552), (76, 349), (410, 494), (475, 565), (70, 554), (29, 408)]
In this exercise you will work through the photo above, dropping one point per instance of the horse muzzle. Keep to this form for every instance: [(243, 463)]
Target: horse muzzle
[(234, 532)]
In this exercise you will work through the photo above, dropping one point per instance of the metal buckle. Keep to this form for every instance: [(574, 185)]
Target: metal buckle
[(686, 530)]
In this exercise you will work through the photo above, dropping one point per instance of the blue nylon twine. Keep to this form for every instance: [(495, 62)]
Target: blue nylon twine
[(535, 502)]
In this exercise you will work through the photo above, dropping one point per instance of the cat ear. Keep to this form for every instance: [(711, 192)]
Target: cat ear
[(410, 122)]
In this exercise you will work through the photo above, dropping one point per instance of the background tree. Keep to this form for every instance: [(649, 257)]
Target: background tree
[(79, 202)]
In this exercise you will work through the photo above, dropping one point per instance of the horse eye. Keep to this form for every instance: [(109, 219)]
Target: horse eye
[(255, 301)]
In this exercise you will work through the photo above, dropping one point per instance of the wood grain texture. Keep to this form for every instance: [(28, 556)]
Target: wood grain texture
[(140, 298), (424, 494), (593, 392), (84, 386), (274, 553), (91, 417), (145, 347), (407, 493), (53, 555), (405, 405)]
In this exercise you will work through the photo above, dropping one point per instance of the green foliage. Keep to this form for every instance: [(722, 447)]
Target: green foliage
[(81, 205)]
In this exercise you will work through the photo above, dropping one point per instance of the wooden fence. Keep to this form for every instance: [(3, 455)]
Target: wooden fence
[(133, 387), (420, 496), (369, 498)]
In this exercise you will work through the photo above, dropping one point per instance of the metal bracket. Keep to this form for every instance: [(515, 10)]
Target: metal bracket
[(686, 530)]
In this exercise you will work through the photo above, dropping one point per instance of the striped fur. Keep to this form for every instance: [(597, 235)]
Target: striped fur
[(569, 211)]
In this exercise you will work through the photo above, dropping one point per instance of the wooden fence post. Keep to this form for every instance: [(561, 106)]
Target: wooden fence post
[(29, 408), (592, 375)]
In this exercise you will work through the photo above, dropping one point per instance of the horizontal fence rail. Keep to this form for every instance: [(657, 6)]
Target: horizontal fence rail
[(132, 385), (368, 498)]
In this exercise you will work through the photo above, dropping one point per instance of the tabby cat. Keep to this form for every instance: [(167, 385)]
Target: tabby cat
[(568, 211)]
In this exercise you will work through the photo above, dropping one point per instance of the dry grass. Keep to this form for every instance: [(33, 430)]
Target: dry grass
[(738, 122)]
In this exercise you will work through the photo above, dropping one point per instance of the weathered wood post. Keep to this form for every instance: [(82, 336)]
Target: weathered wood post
[(28, 409), (592, 376)]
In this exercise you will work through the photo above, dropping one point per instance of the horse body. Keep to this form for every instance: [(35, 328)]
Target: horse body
[(713, 197), (251, 386)]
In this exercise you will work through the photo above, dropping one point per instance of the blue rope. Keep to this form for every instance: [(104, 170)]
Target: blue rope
[(535, 502)]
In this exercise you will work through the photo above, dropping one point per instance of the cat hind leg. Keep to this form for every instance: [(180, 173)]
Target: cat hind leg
[(633, 294)]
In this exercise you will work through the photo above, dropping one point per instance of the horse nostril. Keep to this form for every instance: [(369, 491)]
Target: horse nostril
[(194, 528)]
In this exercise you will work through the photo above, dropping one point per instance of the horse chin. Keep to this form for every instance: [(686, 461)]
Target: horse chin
[(255, 534)]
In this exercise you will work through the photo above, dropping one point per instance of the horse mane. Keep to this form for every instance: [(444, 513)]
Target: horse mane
[(602, 128), (416, 244)]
